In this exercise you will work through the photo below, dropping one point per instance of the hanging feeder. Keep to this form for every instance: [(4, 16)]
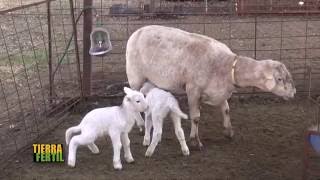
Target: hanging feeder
[(100, 42)]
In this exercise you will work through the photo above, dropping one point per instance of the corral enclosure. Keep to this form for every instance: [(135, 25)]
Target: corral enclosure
[(44, 84)]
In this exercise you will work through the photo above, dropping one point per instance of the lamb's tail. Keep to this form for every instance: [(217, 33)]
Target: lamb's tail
[(70, 131), (175, 108)]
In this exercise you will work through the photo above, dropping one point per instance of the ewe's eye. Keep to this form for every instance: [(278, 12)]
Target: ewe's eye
[(279, 79), (138, 101)]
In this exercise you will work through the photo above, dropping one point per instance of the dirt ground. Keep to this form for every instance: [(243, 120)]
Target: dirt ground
[(268, 144)]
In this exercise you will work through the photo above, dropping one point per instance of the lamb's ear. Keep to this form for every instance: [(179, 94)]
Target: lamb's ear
[(127, 90)]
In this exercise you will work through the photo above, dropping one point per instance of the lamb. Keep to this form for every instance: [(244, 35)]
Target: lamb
[(115, 121), (202, 67), (160, 104)]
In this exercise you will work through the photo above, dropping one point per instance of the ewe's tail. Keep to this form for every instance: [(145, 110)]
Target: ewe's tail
[(175, 108), (70, 131)]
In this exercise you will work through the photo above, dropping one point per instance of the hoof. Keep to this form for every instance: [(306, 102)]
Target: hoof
[(148, 153), (71, 163), (117, 166), (228, 133), (96, 151), (195, 145), (129, 160), (186, 152), (146, 142)]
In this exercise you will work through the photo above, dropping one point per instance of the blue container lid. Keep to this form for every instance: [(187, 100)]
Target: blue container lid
[(315, 142)]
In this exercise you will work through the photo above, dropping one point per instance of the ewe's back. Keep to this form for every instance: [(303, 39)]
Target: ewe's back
[(169, 57)]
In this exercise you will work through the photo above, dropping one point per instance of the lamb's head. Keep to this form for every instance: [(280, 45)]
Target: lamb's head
[(277, 79), (147, 86), (135, 100)]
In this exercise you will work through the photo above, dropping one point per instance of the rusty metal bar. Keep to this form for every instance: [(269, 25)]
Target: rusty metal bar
[(74, 26), (87, 65), (50, 53)]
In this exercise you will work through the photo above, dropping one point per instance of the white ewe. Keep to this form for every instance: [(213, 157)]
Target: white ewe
[(160, 104), (116, 121), (206, 69)]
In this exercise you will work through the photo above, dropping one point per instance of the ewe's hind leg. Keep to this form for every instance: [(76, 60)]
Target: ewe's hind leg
[(116, 144), (74, 143), (179, 133), (148, 126), (126, 147), (156, 136), (228, 131), (93, 148)]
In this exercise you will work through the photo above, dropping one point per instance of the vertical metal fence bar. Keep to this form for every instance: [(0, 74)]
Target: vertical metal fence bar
[(87, 63), (305, 56), (26, 76), (51, 83), (74, 27)]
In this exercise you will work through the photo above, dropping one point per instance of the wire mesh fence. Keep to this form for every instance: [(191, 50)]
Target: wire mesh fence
[(33, 99), (28, 109)]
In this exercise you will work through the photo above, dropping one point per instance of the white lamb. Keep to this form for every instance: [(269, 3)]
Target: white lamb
[(116, 121), (161, 103)]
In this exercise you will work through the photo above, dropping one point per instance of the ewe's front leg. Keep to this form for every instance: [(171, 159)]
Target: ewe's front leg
[(126, 147), (194, 106), (116, 144), (228, 131)]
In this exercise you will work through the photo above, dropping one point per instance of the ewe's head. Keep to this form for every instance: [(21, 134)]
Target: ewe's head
[(278, 80), (135, 100)]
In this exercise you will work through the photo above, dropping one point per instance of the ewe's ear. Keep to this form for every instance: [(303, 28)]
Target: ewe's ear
[(127, 90)]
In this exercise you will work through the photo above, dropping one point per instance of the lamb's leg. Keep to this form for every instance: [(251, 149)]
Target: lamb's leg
[(116, 144), (126, 147), (74, 143), (156, 136), (228, 131), (179, 133), (93, 148), (148, 126), (193, 94)]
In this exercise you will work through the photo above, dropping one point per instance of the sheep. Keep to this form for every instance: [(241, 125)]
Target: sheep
[(202, 67), (115, 121), (160, 104)]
